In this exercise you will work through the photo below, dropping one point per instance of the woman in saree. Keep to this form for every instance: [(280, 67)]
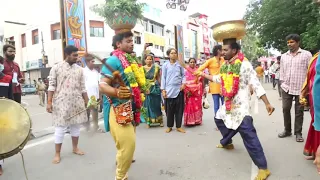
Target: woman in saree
[(193, 93), (153, 96), (313, 139)]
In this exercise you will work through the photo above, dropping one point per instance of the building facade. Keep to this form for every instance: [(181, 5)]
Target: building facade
[(33, 41), (198, 39)]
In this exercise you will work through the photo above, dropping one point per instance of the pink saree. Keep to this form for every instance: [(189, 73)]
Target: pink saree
[(193, 99)]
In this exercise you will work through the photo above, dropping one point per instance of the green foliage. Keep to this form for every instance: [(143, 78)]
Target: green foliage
[(252, 47), (273, 20), (112, 7)]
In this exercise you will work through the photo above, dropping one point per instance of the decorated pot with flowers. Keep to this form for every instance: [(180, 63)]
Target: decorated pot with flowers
[(120, 15)]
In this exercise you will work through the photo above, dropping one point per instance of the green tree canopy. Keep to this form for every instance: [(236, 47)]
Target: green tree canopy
[(252, 47), (273, 20)]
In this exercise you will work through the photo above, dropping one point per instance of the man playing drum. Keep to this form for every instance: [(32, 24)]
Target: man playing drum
[(67, 97)]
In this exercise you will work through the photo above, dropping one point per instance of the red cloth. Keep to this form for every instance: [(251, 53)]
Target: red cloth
[(313, 139), (9, 68), (193, 103), (5, 79)]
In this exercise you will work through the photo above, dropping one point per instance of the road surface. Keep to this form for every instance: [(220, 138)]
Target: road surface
[(161, 156)]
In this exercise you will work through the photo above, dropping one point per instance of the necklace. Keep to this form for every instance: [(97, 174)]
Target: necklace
[(230, 79)]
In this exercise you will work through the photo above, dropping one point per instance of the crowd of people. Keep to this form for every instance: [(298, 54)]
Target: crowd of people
[(131, 93)]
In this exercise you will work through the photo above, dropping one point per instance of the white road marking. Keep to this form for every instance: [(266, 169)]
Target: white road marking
[(49, 139), (254, 171)]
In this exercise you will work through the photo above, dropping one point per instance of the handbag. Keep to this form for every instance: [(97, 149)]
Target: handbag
[(205, 103), (123, 112)]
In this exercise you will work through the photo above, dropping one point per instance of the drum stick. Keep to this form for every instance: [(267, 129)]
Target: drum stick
[(80, 112), (116, 74)]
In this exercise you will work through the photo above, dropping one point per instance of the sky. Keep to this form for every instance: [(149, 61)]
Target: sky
[(216, 10)]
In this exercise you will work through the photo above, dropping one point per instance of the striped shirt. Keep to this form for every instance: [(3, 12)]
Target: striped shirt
[(293, 70)]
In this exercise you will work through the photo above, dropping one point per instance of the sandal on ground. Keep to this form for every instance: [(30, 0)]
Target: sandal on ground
[(284, 134), (299, 138)]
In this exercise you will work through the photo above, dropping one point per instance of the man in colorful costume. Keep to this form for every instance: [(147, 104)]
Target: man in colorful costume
[(236, 77), (316, 101), (123, 84)]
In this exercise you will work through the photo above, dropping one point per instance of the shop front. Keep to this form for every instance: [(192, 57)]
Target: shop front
[(35, 70)]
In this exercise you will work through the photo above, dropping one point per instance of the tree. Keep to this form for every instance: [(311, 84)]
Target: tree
[(273, 20), (252, 48)]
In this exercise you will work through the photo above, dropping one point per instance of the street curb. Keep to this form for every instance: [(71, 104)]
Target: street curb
[(50, 130)]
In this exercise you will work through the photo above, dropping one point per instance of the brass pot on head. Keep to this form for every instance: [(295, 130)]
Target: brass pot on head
[(229, 30)]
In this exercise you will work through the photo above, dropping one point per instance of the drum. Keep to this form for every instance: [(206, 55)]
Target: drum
[(15, 128)]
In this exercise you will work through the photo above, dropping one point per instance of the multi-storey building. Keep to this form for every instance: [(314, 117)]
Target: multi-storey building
[(198, 40), (42, 38)]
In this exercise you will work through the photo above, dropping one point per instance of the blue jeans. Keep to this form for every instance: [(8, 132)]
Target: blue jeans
[(216, 102)]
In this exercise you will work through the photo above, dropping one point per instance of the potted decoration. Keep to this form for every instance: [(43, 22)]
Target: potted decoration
[(120, 14)]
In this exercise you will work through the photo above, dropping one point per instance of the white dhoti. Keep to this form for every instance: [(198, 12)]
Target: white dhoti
[(61, 130), (1, 162)]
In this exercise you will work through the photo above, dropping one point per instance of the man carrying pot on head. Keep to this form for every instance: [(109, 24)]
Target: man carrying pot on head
[(123, 100)]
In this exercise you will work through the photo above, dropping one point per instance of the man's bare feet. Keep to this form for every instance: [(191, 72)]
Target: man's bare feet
[(309, 158), (78, 152), (56, 159), (161, 125), (229, 146), (181, 130), (168, 130), (263, 174)]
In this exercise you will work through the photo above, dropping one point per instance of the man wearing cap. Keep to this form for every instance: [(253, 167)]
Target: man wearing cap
[(236, 77)]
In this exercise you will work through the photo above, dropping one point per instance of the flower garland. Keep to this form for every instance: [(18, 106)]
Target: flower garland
[(136, 78), (230, 79)]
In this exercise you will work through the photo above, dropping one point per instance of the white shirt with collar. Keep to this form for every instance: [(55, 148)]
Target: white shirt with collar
[(92, 78)]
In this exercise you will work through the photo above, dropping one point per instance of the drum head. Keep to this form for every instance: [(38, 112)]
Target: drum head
[(15, 126)]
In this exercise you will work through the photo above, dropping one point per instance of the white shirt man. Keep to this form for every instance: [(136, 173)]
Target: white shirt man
[(92, 78)]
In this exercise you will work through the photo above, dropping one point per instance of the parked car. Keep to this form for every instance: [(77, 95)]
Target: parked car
[(28, 89)]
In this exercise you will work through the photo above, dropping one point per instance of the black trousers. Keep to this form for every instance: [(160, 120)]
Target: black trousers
[(174, 109)]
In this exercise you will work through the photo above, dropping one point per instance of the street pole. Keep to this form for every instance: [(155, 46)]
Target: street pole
[(43, 52)]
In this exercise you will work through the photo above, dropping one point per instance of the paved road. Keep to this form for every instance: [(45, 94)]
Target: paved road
[(174, 156)]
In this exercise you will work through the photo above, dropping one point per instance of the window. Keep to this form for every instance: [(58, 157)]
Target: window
[(152, 28), (162, 48), (35, 37), (145, 24), (23, 40), (55, 31), (96, 29), (56, 34), (137, 39)]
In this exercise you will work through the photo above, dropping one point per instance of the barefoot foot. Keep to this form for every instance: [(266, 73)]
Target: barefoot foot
[(78, 152), (263, 174), (229, 146), (168, 130), (181, 130), (309, 158), (56, 159), (161, 125), (148, 126)]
